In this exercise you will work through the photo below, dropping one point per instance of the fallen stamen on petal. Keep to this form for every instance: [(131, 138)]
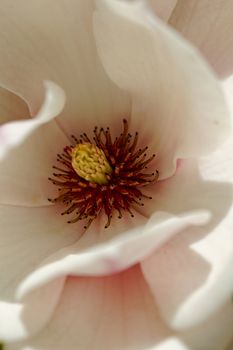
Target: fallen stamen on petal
[(102, 176)]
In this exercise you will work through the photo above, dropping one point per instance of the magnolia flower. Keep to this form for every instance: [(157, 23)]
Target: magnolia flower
[(159, 280)]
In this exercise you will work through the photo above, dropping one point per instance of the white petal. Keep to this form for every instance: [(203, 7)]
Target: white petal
[(115, 255), (114, 312), (175, 97), (219, 167), (197, 263), (214, 334), (14, 327), (208, 24), (13, 134), (187, 281), (29, 151), (54, 40), (28, 236), (19, 321), (188, 191), (117, 312)]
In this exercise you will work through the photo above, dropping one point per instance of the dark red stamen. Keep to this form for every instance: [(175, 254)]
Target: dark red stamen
[(122, 192)]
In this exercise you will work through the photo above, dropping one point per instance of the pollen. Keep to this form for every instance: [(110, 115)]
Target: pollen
[(90, 163), (102, 175)]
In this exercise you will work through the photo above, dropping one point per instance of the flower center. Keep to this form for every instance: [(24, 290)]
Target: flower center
[(103, 175), (90, 163)]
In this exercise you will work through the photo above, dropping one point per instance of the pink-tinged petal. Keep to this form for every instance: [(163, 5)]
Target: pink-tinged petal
[(54, 40), (114, 312), (29, 151), (175, 97), (208, 24), (114, 255), (14, 133), (12, 107), (118, 312), (22, 320), (28, 236), (197, 263), (162, 9), (186, 280)]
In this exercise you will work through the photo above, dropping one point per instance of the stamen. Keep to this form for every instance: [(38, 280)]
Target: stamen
[(102, 176)]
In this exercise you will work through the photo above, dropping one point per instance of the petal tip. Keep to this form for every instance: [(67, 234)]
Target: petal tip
[(55, 95)]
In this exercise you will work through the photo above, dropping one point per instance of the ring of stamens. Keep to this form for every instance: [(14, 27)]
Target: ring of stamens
[(117, 188)]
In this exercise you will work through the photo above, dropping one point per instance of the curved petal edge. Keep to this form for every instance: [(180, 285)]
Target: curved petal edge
[(14, 133)]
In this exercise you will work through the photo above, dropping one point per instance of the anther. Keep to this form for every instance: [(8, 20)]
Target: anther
[(85, 165)]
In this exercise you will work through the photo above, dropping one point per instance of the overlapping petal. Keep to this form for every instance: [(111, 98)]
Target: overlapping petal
[(118, 312), (54, 41), (25, 319), (28, 150), (183, 277), (14, 133), (115, 255), (197, 263), (114, 312), (208, 24), (175, 98), (181, 285), (28, 236)]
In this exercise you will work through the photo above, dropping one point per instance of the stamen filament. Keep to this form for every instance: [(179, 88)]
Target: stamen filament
[(102, 176)]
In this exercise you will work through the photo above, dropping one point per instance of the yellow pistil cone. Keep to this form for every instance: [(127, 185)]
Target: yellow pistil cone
[(90, 163)]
